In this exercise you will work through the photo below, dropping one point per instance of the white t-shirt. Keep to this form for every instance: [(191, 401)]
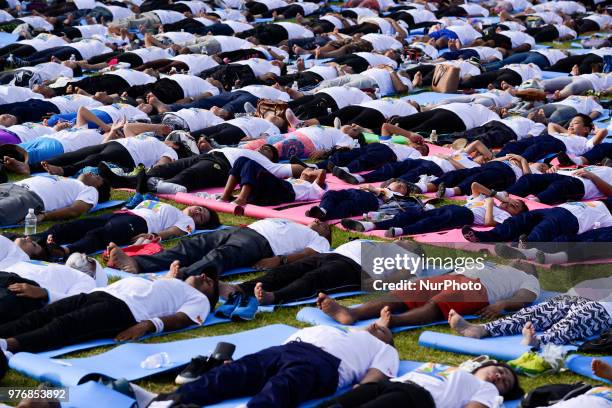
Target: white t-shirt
[(575, 145), (345, 95), (260, 66), (161, 216), (384, 81), (357, 350), (89, 48), (305, 191), (84, 4), (451, 387), (59, 192), (518, 38), (162, 297), (548, 17), (308, 7), (376, 59), (178, 37), (500, 98), (523, 127), (30, 130), (598, 397), (146, 149), (50, 71), (402, 152), (38, 23), (382, 42), (280, 170), (277, 230), (487, 53), (459, 156), (390, 107), (384, 25), (169, 16), (118, 111), (600, 81), (513, 26), (421, 16), (266, 92), (196, 62), (10, 253), (601, 19), (237, 26), (478, 207), (324, 71), (11, 94), (326, 138), (117, 11), (296, 31), (272, 4), (590, 189), (44, 41), (193, 86), (72, 103), (351, 249), (362, 11), (475, 10), (60, 281), (334, 20), (465, 33), (87, 31), (196, 118), (472, 114), (602, 52), (133, 77), (551, 54), (526, 71), (466, 69), (73, 139), (229, 43), (148, 54), (565, 31), (254, 127), (503, 281), (588, 214), (196, 6)]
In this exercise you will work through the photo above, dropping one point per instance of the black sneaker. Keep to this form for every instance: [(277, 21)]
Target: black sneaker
[(345, 176), (441, 193), (352, 225), (297, 160), (201, 364), (508, 252), (315, 212), (564, 159), (115, 180), (413, 189)]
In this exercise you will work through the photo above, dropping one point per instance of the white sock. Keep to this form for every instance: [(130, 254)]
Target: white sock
[(576, 160), (368, 226), (3, 345), (529, 253), (359, 178), (164, 187), (345, 169), (8, 354), (449, 192), (556, 258), (323, 210), (422, 186), (397, 232)]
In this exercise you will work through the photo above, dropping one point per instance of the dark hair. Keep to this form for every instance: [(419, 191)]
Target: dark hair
[(516, 391), (275, 155), (213, 298), (586, 119), (77, 71), (213, 220), (104, 191)]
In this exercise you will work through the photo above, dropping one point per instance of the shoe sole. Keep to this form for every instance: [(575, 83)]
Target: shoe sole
[(508, 252), (180, 380)]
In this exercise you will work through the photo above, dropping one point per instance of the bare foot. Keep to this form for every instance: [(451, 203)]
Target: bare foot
[(463, 327), (385, 317), (529, 336), (51, 169), (557, 95), (240, 202), (159, 105), (174, 270), (119, 260), (16, 166), (226, 198), (263, 297), (417, 80), (333, 309), (602, 369), (69, 89), (575, 70)]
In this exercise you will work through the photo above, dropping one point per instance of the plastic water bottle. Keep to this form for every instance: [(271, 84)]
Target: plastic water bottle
[(154, 361), (202, 194), (30, 223), (433, 136), (375, 216), (72, 57)]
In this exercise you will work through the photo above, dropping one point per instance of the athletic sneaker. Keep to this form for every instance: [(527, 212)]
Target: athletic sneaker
[(316, 212), (134, 201), (345, 175), (441, 193), (508, 252), (413, 189), (352, 225), (246, 310), (227, 308), (201, 364)]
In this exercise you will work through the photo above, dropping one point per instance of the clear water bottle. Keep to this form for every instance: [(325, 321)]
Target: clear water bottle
[(72, 57), (30, 223), (433, 137), (154, 361)]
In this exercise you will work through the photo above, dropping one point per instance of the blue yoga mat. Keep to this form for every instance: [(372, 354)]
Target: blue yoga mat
[(270, 308), (553, 74), (7, 38), (156, 275), (315, 316), (124, 361), (582, 365), (210, 320), (102, 206), (430, 97), (264, 20), (503, 348), (95, 395)]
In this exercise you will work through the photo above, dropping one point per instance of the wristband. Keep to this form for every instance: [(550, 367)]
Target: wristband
[(159, 325)]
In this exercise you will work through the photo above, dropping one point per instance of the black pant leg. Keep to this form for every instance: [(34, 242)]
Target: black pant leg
[(12, 306)]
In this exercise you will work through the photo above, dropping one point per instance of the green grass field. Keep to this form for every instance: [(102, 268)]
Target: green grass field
[(405, 342)]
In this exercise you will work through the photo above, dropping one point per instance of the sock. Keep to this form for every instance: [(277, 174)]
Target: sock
[(323, 210), (556, 258), (359, 178), (397, 232), (3, 345), (170, 188), (345, 169), (576, 160), (422, 186), (529, 253), (449, 192), (368, 226)]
